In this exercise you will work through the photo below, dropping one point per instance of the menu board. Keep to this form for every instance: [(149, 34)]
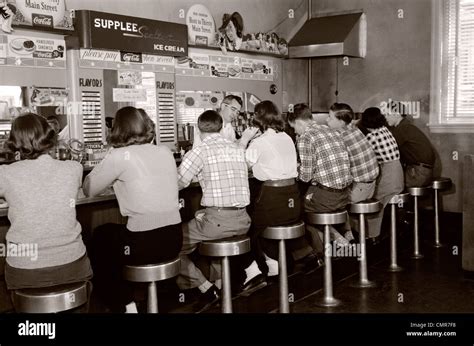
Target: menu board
[(91, 114), (165, 89)]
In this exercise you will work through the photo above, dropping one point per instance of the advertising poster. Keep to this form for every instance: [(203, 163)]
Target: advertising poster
[(201, 26), (35, 47), (129, 77), (42, 13), (128, 95), (48, 97)]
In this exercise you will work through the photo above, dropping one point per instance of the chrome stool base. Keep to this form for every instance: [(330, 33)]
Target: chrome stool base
[(395, 268), (364, 284), (439, 245), (417, 256), (328, 302)]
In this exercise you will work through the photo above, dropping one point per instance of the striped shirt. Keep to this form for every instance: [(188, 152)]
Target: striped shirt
[(324, 158), (384, 144), (364, 165), (221, 170)]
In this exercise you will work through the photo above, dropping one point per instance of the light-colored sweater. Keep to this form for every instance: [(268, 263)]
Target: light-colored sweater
[(41, 196), (145, 181)]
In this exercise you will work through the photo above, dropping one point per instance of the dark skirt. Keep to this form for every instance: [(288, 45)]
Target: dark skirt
[(114, 246), (77, 271)]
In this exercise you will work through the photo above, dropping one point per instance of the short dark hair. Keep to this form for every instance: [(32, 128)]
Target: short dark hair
[(301, 111), (236, 19), (54, 123), (131, 126), (234, 98), (31, 136), (267, 116), (372, 118), (342, 111), (210, 122), (397, 105)]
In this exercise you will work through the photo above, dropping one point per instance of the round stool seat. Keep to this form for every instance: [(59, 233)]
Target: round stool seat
[(232, 246), (152, 272), (400, 198), (441, 183), (327, 218), (284, 232), (50, 299), (419, 191), (365, 207)]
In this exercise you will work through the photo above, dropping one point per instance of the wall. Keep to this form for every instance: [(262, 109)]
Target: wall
[(397, 66), (258, 15)]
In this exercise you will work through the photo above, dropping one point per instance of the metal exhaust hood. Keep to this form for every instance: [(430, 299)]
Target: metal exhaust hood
[(331, 36)]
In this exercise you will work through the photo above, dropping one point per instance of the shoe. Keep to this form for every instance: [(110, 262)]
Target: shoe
[(253, 285), (374, 241), (208, 299), (312, 263)]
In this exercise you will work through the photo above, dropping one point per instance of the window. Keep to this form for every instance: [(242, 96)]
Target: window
[(452, 70)]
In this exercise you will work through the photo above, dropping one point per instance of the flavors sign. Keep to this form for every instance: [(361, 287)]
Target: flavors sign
[(101, 30)]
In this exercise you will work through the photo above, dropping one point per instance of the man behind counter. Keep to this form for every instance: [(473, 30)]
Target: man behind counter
[(416, 152), (229, 110)]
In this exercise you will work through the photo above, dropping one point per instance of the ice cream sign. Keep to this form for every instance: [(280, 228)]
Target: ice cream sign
[(100, 30)]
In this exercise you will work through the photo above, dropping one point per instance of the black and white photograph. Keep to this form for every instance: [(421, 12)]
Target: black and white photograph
[(237, 172)]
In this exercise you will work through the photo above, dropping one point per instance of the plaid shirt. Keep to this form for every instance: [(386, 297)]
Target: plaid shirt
[(324, 158), (384, 144), (364, 165), (222, 172)]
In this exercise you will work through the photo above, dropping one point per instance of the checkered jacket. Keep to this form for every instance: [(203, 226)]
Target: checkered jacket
[(221, 170), (384, 144), (324, 157), (364, 165)]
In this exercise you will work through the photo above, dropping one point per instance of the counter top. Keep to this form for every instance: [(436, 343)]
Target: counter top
[(108, 196)]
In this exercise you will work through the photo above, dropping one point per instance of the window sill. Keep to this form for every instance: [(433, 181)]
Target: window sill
[(451, 128)]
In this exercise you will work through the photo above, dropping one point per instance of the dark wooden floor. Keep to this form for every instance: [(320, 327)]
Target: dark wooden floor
[(433, 284)]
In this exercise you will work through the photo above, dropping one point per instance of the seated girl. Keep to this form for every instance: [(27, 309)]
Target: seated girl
[(44, 242), (145, 181)]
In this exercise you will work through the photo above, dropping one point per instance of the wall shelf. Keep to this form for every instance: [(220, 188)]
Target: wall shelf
[(250, 52)]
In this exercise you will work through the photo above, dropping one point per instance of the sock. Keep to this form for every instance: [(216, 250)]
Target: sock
[(205, 286), (252, 271), (349, 236), (131, 308), (272, 266), (218, 283)]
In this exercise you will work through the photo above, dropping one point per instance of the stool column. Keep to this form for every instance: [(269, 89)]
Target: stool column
[(363, 277), (436, 209), (328, 299), (394, 267), (152, 298), (284, 304), (226, 288), (416, 244)]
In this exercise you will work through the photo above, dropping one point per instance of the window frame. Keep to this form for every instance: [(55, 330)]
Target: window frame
[(438, 122)]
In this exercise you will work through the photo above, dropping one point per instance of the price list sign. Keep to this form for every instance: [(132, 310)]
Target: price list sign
[(91, 113)]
